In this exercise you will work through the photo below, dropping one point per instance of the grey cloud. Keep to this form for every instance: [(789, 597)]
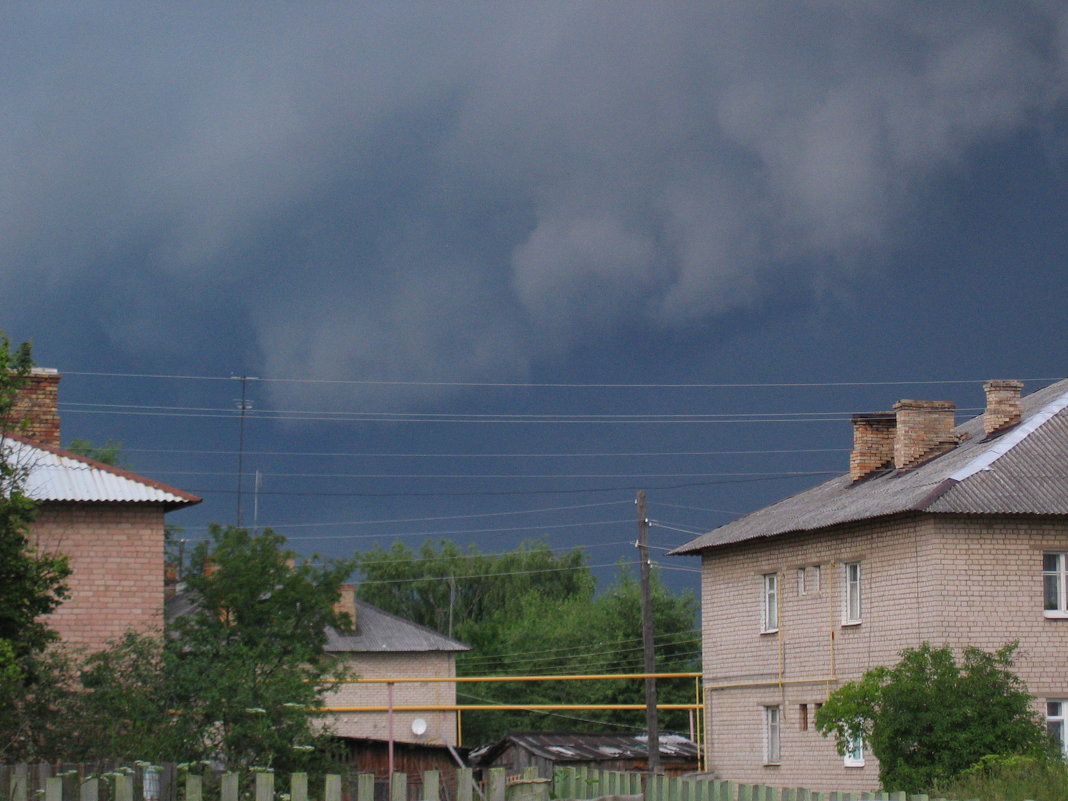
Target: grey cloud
[(434, 190)]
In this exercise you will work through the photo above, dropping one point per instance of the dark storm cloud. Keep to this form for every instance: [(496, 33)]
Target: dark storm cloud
[(457, 190)]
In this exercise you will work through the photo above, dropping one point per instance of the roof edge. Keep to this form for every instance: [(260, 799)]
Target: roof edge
[(187, 498)]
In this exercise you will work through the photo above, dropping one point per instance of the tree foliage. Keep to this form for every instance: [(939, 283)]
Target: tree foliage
[(534, 612), (238, 678), (109, 453), (31, 582), (930, 717)]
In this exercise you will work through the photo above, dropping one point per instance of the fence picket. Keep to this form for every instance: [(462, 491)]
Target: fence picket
[(194, 787), (495, 784), (465, 784), (431, 785), (365, 787), (298, 787), (90, 790)]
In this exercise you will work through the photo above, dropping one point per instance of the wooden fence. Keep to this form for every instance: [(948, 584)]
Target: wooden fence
[(144, 782)]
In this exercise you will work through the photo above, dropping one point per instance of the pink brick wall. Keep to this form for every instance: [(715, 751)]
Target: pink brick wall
[(956, 580), (441, 726), (116, 552)]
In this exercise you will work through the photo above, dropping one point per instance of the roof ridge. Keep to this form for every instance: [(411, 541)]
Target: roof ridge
[(1010, 440)]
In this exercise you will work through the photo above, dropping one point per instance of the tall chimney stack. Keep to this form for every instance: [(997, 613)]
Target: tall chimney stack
[(1002, 405), (873, 443), (38, 404), (346, 604), (924, 428)]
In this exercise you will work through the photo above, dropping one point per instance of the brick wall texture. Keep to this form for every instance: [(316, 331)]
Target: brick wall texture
[(116, 553), (441, 726), (957, 580), (37, 405)]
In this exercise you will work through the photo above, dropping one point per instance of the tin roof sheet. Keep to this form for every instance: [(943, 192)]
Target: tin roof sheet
[(587, 746), (1020, 471), (53, 474)]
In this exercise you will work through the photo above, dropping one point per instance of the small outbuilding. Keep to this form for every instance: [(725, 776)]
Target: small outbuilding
[(549, 750)]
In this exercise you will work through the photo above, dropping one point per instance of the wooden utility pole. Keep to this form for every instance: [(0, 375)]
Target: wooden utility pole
[(651, 724)]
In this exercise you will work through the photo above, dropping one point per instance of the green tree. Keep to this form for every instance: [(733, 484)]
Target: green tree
[(238, 678), (31, 582), (247, 663), (930, 717), (532, 611), (109, 453), (453, 590)]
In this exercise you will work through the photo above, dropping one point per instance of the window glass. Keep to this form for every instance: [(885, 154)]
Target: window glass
[(1055, 723), (772, 752), (1054, 584), (770, 621), (854, 755), (853, 609)]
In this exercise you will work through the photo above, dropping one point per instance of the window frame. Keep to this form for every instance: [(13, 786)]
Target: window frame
[(1059, 575), (769, 603), (1060, 721), (854, 754), (852, 594), (773, 735)]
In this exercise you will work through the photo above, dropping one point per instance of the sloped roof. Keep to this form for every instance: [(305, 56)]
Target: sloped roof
[(586, 747), (1019, 471), (53, 474), (377, 631), (380, 632)]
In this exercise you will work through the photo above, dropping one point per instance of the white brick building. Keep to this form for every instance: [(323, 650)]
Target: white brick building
[(947, 535)]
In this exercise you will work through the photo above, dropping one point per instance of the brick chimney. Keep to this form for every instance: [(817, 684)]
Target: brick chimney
[(38, 404), (924, 428), (1002, 405), (873, 443), (346, 604)]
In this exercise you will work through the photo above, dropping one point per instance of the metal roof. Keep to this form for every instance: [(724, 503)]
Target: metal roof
[(376, 631), (1020, 471), (587, 747), (53, 474), (380, 632)]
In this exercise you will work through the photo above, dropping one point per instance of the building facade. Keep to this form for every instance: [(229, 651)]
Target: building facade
[(964, 544), (108, 522)]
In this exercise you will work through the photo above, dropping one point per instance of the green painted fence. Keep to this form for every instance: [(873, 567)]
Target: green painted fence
[(167, 783)]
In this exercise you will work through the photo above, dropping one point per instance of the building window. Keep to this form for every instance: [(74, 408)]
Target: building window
[(1054, 572), (808, 580), (772, 753), (770, 607), (854, 755), (802, 715), (852, 607), (1055, 716)]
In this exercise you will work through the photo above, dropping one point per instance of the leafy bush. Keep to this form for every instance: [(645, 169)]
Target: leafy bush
[(1010, 778), (929, 718)]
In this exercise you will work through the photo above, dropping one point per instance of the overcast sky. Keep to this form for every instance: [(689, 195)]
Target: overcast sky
[(440, 197)]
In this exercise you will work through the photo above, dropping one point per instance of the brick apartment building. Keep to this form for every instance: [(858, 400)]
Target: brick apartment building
[(950, 535), (107, 521)]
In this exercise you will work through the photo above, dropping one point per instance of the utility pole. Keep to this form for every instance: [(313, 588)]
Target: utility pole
[(651, 723), (243, 405)]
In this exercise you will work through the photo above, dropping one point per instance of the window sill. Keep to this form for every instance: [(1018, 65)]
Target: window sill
[(850, 623), (854, 764), (772, 764), (769, 631), (1055, 614)]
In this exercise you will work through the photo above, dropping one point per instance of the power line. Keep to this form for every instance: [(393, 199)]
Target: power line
[(548, 385)]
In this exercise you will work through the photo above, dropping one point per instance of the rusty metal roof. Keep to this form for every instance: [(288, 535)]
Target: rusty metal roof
[(587, 747), (53, 474), (1020, 472)]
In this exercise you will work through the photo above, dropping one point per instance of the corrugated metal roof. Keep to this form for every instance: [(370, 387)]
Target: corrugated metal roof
[(1019, 472), (587, 747), (379, 631), (53, 474)]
